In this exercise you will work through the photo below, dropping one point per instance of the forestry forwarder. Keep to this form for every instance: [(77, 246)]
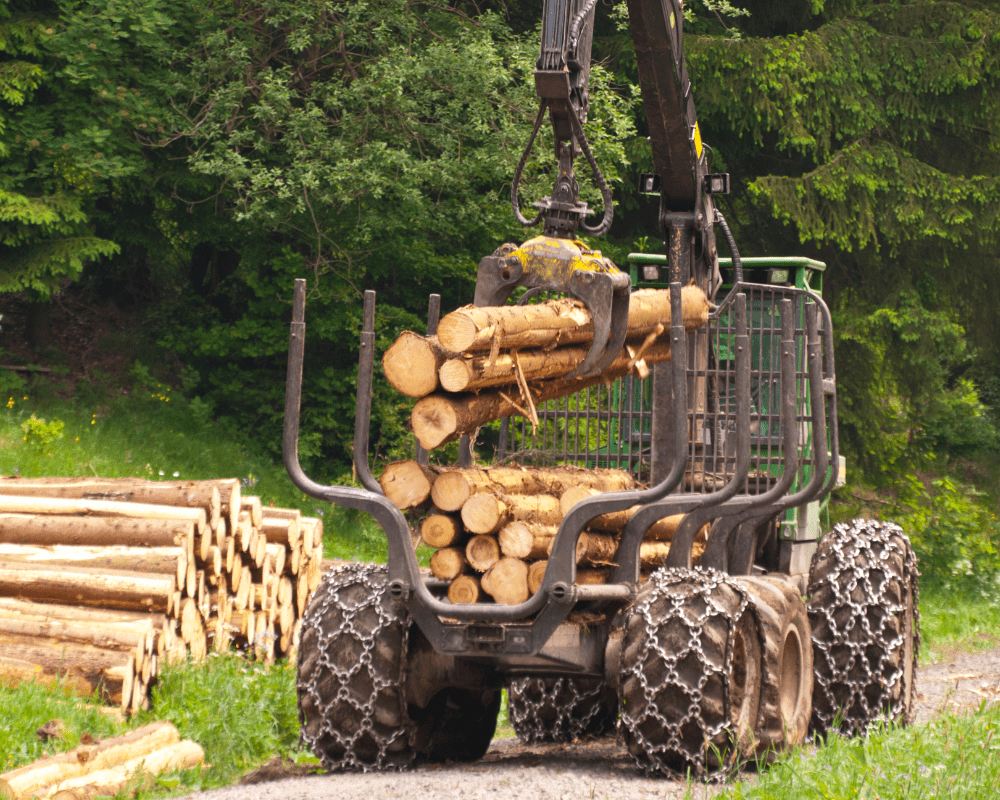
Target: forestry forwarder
[(714, 657)]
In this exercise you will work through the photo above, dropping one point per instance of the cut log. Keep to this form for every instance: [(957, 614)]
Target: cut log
[(464, 589), (10, 504), (275, 555), (138, 772), (139, 591), (190, 494), (316, 525), (441, 530), (439, 417), (281, 531), (482, 552), (536, 572), (96, 531), (448, 563), (54, 634), (253, 506), (662, 530), (453, 488), (594, 549), (507, 581), (411, 364), (526, 540), (27, 780), (136, 559), (88, 666), (560, 322), (488, 513), (406, 484)]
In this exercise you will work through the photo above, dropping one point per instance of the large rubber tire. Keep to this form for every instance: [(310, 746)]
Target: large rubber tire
[(865, 627), (350, 673), (459, 724), (691, 673), (787, 680), (564, 709)]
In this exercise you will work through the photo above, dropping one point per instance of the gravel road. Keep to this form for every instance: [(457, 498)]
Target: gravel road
[(601, 770)]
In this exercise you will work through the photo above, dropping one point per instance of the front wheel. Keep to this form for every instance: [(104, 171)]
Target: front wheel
[(865, 627)]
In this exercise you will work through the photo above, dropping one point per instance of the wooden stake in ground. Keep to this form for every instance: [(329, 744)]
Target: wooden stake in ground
[(453, 487), (411, 364)]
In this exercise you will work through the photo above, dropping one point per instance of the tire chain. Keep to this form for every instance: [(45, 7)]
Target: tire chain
[(564, 709), (854, 621), (349, 680), (700, 586)]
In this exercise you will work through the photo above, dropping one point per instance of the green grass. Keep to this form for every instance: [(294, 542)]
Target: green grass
[(953, 756), (949, 624), (26, 708)]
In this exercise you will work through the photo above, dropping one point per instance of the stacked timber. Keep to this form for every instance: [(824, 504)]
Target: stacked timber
[(493, 528), (106, 768), (103, 580), (486, 363)]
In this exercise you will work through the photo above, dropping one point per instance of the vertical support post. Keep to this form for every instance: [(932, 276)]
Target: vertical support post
[(433, 317)]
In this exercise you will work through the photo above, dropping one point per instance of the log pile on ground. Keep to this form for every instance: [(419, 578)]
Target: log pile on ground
[(104, 769), (103, 580), (492, 528), (492, 362)]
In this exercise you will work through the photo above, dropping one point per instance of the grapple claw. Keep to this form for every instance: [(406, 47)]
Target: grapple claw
[(546, 263)]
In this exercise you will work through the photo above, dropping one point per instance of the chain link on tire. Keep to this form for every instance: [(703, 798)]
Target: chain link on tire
[(564, 709), (690, 679), (351, 658), (787, 677), (865, 627)]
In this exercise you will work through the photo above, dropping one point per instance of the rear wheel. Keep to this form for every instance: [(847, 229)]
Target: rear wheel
[(351, 658), (458, 724), (691, 678), (864, 616), (562, 709), (787, 680)]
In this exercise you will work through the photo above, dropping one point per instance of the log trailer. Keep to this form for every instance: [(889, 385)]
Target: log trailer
[(754, 630)]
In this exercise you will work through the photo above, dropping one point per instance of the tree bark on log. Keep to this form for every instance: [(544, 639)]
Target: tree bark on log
[(88, 758), (91, 665), (411, 364), (562, 321), (189, 494), (464, 589), (95, 531), (93, 587), (507, 581), (281, 531), (113, 780), (453, 487), (488, 513), (162, 560), (594, 549), (406, 484), (536, 573), (439, 418), (661, 531), (12, 504)]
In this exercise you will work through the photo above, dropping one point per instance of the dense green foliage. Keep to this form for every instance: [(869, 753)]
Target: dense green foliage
[(193, 158)]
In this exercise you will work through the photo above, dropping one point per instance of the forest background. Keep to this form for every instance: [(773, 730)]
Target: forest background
[(183, 161)]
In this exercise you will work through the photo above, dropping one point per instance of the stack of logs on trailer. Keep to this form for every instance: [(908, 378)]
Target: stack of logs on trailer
[(493, 527), (102, 580)]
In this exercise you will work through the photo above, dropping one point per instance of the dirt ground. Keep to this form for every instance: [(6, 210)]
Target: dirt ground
[(600, 769)]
